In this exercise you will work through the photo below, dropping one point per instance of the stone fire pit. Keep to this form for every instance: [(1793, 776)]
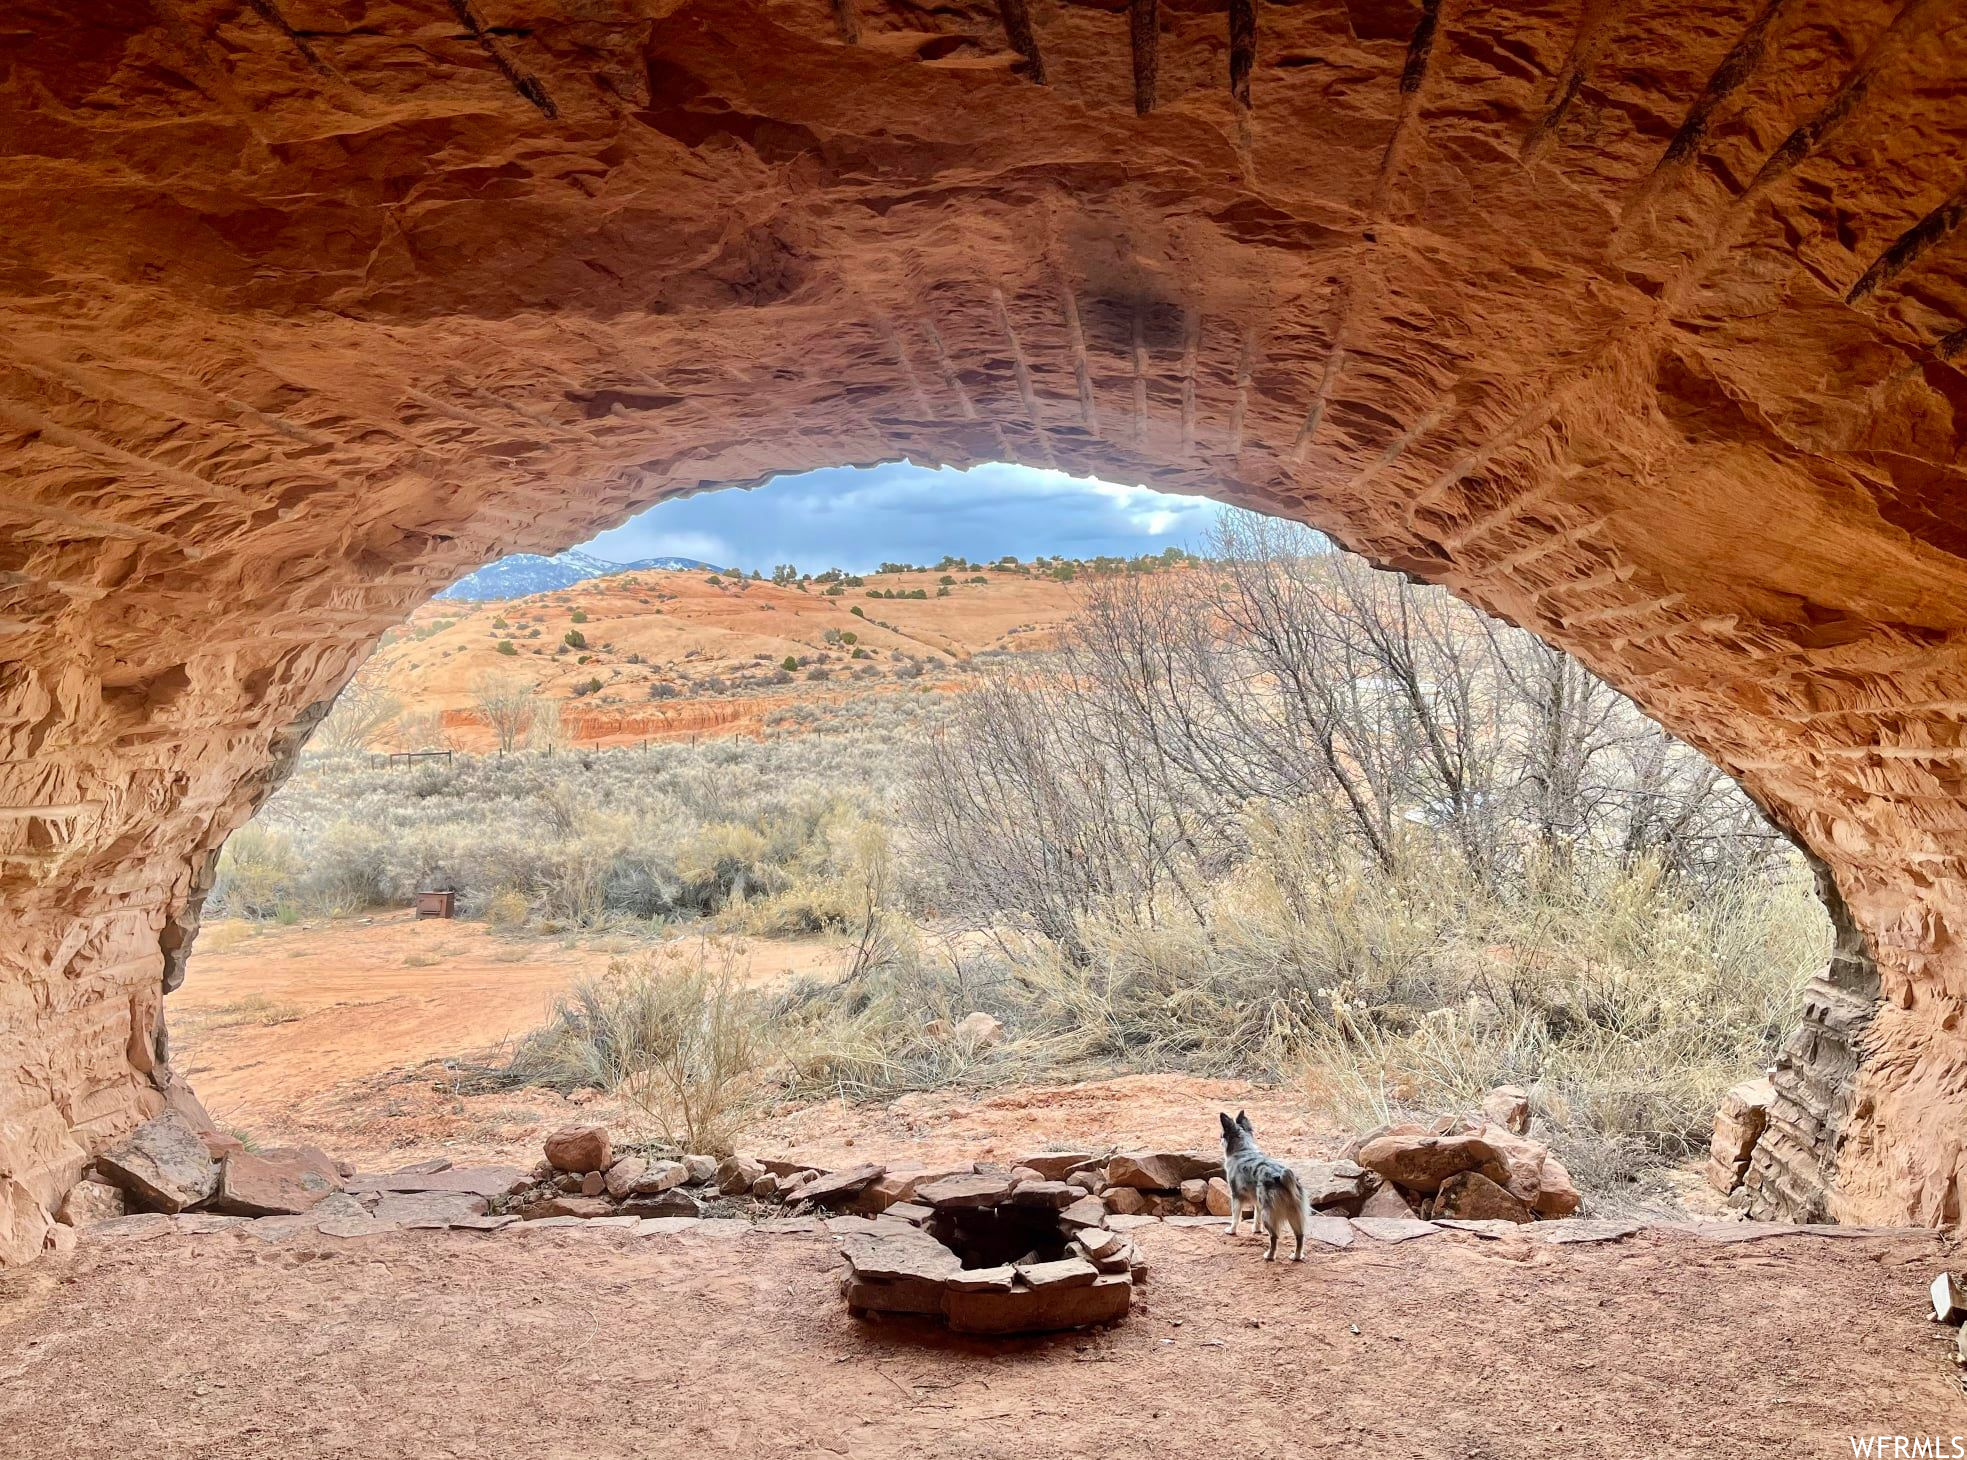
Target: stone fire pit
[(991, 1254)]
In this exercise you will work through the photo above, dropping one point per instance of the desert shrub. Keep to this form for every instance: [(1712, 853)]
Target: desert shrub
[(675, 1034), (507, 647)]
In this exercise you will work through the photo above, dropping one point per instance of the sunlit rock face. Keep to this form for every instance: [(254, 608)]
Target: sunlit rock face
[(1640, 324)]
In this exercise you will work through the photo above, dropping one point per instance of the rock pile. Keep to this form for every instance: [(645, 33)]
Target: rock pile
[(1479, 1168), (170, 1165), (1738, 1125)]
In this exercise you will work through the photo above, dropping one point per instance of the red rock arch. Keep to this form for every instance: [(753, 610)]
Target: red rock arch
[(1639, 323)]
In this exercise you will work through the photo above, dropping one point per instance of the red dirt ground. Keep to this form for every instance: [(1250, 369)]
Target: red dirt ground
[(589, 1344)]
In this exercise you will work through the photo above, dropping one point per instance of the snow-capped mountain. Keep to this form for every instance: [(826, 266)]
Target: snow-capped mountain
[(524, 574)]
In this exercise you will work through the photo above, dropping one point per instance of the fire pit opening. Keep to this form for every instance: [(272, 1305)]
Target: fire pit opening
[(989, 1237)]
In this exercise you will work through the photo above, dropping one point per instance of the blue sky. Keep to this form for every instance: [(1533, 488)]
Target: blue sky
[(856, 519)]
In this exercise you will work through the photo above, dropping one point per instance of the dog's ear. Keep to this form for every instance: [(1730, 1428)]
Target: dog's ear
[(1243, 1119), (1229, 1126)]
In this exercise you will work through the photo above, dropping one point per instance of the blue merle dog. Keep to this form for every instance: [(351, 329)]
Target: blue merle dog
[(1272, 1189)]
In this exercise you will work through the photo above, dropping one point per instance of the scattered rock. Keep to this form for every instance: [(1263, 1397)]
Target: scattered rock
[(593, 1184), (1089, 1181), (766, 1187), (1056, 1165), (978, 1030), (736, 1174), (1216, 1197), (701, 1170), (1160, 1170), (625, 1172), (1124, 1201), (255, 1186), (836, 1188), (1472, 1197), (89, 1202), (579, 1148), (568, 1182), (163, 1165), (977, 1189), (1558, 1197), (1509, 1107), (1195, 1191), (676, 1202), (59, 1239), (660, 1176), (1088, 1211)]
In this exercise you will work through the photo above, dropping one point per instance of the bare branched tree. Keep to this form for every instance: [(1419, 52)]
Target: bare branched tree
[(362, 712), (1278, 678), (508, 704)]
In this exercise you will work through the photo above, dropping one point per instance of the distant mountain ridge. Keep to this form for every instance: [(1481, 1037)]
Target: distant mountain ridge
[(524, 574)]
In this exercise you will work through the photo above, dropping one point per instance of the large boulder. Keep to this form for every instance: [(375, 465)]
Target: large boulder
[(1421, 1162), (1161, 1170), (163, 1166), (579, 1149)]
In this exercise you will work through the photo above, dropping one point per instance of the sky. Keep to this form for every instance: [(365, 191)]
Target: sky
[(858, 518)]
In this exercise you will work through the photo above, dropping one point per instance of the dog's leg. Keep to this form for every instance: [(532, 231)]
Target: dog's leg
[(1271, 1254), (1235, 1212)]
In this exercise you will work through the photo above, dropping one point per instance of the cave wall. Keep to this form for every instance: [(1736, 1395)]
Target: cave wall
[(1641, 325)]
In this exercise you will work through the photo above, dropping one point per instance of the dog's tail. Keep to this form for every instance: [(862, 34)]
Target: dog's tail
[(1284, 1182)]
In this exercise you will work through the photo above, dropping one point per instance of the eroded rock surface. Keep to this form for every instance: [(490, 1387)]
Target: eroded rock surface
[(1641, 325)]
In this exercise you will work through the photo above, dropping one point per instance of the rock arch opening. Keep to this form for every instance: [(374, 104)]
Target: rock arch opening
[(1641, 328)]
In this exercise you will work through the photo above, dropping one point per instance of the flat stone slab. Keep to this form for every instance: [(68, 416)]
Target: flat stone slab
[(665, 1226), (486, 1181), (1040, 1310), (836, 1187), (1130, 1222), (1161, 1170), (428, 1208), (1491, 1227), (983, 1280), (1066, 1272), (1581, 1229), (1394, 1229), (1329, 1231), (203, 1224), (974, 1190), (484, 1224), (1057, 1165), (1222, 1222)]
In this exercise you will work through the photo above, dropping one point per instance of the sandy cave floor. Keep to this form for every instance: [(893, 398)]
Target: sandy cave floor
[(588, 1343)]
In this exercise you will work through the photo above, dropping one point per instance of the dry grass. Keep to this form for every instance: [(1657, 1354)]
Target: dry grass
[(256, 1009), (672, 1032)]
